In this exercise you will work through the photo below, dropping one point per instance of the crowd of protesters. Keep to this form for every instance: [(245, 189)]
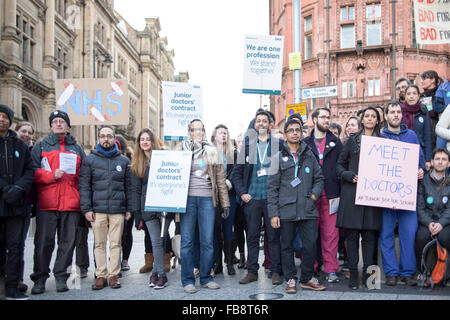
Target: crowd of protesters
[(297, 185)]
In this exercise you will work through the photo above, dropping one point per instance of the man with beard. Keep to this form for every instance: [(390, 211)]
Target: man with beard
[(326, 147), (104, 199), (407, 220), (400, 89), (249, 179)]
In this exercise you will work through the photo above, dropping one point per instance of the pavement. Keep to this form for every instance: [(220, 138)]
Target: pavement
[(135, 285)]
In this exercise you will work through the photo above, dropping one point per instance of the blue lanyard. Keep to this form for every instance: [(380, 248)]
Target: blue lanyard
[(296, 166), (318, 149), (265, 153)]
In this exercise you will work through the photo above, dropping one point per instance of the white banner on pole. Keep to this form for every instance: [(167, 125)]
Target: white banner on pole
[(432, 21), (182, 102), (263, 64), (168, 181)]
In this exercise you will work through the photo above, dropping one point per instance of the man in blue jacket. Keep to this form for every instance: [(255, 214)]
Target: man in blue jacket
[(249, 179), (407, 220)]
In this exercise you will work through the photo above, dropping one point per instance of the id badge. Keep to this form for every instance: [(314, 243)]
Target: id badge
[(262, 173), (295, 182)]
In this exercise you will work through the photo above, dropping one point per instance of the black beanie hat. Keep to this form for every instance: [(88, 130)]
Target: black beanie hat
[(9, 113), (59, 114)]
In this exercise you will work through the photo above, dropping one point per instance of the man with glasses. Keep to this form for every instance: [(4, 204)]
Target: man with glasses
[(400, 89), (292, 190), (105, 199), (326, 147), (56, 163)]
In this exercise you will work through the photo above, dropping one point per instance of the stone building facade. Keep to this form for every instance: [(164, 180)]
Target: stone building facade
[(41, 41), (364, 72)]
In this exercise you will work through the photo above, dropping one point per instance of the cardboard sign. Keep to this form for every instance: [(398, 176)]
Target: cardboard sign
[(93, 101), (168, 181), (432, 21), (263, 64), (387, 173), (182, 102)]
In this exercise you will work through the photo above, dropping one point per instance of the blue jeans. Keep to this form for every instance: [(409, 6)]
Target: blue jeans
[(407, 227), (441, 142), (201, 210)]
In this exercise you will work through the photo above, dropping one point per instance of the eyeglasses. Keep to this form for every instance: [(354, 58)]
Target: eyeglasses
[(296, 130), (58, 121), (108, 136), (196, 130)]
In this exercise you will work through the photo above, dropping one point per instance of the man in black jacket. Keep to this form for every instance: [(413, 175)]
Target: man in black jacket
[(16, 177), (292, 190), (104, 199), (433, 205), (249, 179), (326, 147)]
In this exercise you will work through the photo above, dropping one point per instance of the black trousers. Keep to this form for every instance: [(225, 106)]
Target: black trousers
[(127, 238), (423, 236), (369, 242), (255, 211), (309, 235), (48, 224), (81, 245), (11, 248), (240, 226)]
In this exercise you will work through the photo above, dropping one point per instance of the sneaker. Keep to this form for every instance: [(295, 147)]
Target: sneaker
[(39, 287), (211, 285), (190, 288), (276, 279), (410, 281), (391, 281), (332, 277), (162, 281), (291, 287), (250, 277), (313, 284), (153, 280), (14, 294), (61, 285), (196, 273), (125, 266)]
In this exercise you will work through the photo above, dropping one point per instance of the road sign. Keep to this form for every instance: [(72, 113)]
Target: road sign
[(319, 92), (299, 108)]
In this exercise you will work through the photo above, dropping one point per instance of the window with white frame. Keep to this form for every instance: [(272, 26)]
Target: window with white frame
[(373, 87), (373, 11), (347, 13), (307, 30), (347, 36), (348, 89), (373, 24)]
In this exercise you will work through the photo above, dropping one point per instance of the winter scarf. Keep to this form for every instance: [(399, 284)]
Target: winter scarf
[(408, 113), (201, 150), (107, 154)]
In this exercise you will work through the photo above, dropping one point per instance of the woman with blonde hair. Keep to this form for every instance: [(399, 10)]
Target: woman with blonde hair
[(146, 142), (220, 138)]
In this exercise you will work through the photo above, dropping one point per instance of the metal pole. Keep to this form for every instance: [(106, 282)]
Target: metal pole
[(328, 48), (296, 34), (394, 77)]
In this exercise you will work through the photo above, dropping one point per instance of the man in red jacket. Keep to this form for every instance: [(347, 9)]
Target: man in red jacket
[(56, 164)]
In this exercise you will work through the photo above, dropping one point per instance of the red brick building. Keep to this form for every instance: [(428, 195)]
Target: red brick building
[(364, 73)]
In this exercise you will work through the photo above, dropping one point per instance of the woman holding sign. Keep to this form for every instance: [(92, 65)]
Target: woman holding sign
[(140, 165), (206, 187), (358, 220)]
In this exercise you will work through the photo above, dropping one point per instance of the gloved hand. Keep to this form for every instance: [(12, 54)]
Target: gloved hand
[(225, 212), (12, 193)]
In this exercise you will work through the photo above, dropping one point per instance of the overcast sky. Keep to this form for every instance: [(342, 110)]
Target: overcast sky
[(208, 39)]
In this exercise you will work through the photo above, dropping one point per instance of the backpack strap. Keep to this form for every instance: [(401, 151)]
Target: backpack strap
[(425, 271)]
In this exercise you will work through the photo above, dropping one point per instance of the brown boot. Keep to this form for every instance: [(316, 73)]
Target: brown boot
[(114, 282), (100, 283), (148, 266), (167, 258)]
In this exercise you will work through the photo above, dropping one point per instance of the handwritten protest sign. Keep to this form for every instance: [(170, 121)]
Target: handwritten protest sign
[(387, 174), (432, 20), (182, 102), (93, 101), (263, 63), (168, 181)]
